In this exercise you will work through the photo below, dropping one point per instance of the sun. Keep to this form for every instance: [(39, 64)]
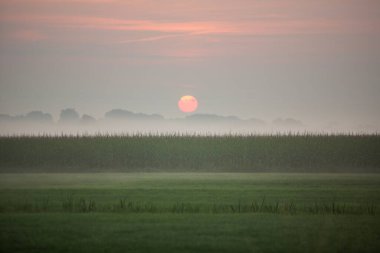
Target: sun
[(188, 103)]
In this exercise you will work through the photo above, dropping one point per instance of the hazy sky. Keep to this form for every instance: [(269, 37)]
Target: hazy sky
[(311, 60)]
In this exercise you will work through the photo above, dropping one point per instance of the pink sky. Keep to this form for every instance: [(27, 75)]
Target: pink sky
[(248, 49), (142, 21)]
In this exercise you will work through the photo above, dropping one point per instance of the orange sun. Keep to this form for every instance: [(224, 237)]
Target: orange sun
[(188, 103)]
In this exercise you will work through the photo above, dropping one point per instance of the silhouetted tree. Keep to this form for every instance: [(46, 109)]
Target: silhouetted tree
[(120, 114), (69, 115), (87, 119), (38, 116)]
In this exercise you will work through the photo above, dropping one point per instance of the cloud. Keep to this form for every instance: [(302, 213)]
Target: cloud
[(191, 30), (28, 35), (118, 24), (275, 26), (153, 38)]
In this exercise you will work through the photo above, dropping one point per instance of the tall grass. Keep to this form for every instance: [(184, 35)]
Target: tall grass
[(82, 205), (176, 152)]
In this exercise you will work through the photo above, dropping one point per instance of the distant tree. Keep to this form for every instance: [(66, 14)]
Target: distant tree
[(87, 119), (38, 116), (69, 115), (120, 114)]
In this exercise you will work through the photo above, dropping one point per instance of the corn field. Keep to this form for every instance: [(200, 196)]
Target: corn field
[(176, 152)]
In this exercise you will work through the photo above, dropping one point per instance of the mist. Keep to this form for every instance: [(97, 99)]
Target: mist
[(125, 122)]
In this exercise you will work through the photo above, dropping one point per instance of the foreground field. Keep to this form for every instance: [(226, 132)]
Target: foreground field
[(55, 232), (192, 212)]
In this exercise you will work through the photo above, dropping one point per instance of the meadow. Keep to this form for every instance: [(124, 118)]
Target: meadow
[(189, 212), (183, 193)]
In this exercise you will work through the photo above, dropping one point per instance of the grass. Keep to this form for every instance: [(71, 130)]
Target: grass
[(227, 153), (94, 232), (218, 205), (191, 192), (150, 212)]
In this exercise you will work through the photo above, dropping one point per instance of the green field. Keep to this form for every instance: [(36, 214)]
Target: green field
[(184, 153), (189, 212), (190, 193)]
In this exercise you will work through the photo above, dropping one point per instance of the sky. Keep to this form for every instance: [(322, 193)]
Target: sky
[(316, 61)]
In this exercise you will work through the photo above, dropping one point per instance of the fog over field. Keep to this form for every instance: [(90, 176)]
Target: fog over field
[(119, 121)]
